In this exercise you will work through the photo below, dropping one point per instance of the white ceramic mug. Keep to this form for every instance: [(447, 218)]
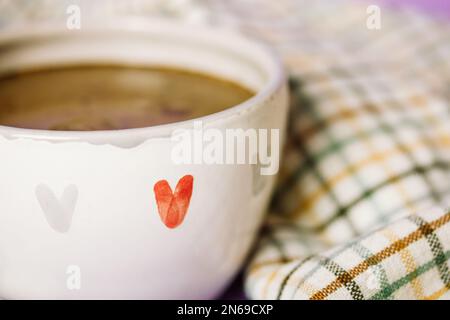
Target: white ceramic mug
[(78, 215)]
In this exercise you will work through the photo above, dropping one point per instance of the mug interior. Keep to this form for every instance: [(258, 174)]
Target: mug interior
[(158, 43)]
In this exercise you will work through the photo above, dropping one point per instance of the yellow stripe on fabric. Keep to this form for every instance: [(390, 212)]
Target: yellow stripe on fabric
[(409, 263), (382, 255), (306, 205), (437, 294), (388, 170)]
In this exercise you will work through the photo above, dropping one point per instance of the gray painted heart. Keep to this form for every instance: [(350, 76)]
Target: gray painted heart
[(58, 212)]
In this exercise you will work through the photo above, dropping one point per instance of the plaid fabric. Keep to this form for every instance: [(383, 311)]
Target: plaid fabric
[(361, 209)]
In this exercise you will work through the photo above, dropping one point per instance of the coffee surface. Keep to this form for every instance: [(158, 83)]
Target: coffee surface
[(80, 98)]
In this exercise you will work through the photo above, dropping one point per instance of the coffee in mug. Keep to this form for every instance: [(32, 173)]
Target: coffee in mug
[(96, 97)]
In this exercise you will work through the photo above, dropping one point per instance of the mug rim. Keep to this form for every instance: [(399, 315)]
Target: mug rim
[(276, 77)]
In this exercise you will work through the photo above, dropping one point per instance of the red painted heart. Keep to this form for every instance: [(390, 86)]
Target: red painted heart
[(173, 206)]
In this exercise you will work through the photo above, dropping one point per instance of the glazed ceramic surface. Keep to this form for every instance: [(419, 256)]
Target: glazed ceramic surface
[(79, 212)]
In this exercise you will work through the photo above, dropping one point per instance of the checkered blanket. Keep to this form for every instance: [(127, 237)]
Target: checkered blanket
[(361, 208)]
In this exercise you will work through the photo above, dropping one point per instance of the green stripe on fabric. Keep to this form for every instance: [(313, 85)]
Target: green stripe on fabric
[(436, 248), (332, 149), (289, 275), (375, 110), (378, 270), (388, 291), (336, 253), (270, 236), (366, 194), (355, 245), (314, 165), (390, 213), (349, 283), (428, 142)]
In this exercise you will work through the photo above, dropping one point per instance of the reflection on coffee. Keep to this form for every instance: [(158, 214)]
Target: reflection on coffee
[(80, 98)]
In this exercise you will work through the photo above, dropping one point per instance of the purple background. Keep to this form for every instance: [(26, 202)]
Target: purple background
[(437, 7), (434, 7)]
